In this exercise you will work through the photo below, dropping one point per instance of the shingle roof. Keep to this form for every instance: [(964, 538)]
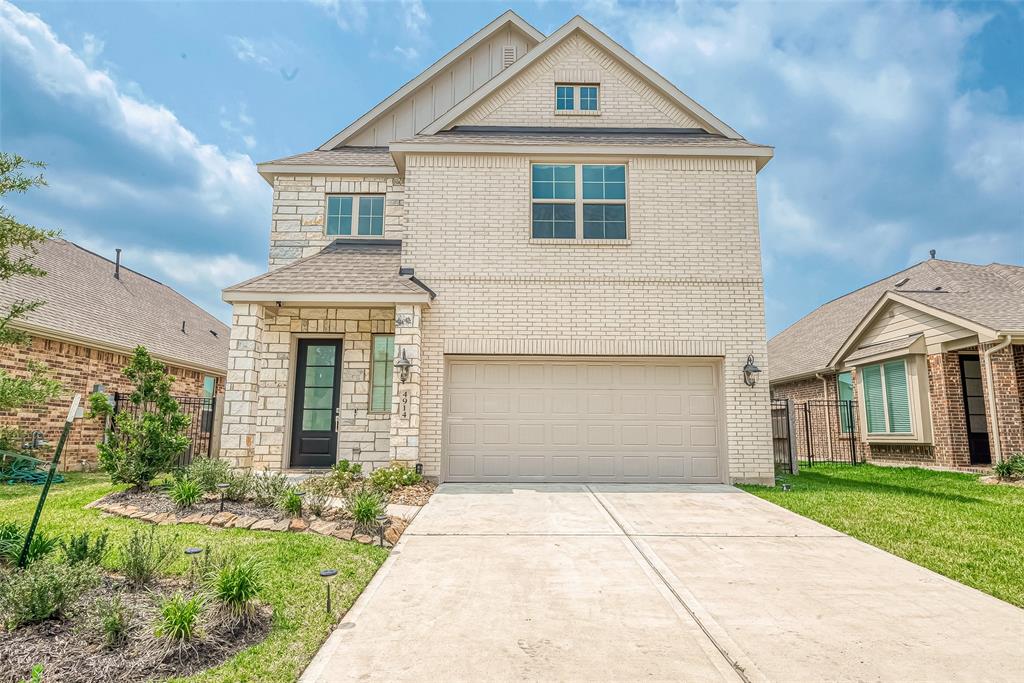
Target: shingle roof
[(884, 347), (991, 295), (342, 267), (84, 301), (342, 156), (589, 136)]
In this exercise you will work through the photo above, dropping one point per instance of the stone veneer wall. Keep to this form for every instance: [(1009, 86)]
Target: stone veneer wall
[(79, 368), (261, 364)]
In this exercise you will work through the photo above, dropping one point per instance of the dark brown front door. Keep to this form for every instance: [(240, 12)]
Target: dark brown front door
[(317, 380), (974, 409)]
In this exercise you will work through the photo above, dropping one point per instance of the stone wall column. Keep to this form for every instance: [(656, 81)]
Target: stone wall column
[(241, 389), (1008, 385), (405, 403)]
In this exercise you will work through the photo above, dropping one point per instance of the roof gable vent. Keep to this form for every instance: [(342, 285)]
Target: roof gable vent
[(508, 56)]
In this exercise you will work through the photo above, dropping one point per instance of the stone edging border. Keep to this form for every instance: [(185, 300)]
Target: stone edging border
[(401, 516)]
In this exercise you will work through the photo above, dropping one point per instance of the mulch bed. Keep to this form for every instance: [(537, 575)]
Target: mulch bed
[(73, 649), (1005, 482), (158, 501), (416, 494)]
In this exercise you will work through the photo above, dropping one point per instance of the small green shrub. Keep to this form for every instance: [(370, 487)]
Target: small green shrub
[(345, 467), (179, 617), (185, 492), (81, 548), (389, 478), (236, 584), (365, 505), (208, 472), (1010, 467), (114, 621), (145, 555), (12, 540), (239, 486), (317, 490), (267, 488), (291, 502), (36, 673), (45, 590)]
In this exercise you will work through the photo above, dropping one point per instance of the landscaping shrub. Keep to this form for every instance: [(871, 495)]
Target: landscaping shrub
[(80, 549), (389, 478), (239, 486), (291, 502), (1011, 467), (236, 584), (208, 472), (317, 490), (179, 617), (37, 674), (12, 540), (45, 590), (145, 555), (186, 492), (147, 438), (365, 505), (343, 466), (267, 488), (114, 621)]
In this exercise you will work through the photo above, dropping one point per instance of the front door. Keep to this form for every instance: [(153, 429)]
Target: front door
[(314, 423), (974, 409)]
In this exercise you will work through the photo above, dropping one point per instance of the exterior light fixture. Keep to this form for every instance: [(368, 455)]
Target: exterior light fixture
[(223, 488), (419, 468), (750, 372), (787, 487), (383, 522), (327, 575), (403, 364), (193, 553)]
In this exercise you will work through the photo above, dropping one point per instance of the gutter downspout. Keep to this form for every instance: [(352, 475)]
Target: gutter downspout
[(996, 450), (828, 413)]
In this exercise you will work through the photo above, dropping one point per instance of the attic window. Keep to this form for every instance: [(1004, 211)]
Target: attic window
[(573, 98), (508, 56)]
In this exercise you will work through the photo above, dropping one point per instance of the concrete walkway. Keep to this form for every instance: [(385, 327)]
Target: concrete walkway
[(629, 582)]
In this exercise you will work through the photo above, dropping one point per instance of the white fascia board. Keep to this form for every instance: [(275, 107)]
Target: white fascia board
[(578, 23), (321, 298), (356, 126)]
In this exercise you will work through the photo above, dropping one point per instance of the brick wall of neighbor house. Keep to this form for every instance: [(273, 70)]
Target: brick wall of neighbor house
[(1008, 384), (687, 283), (826, 427), (949, 421), (260, 368), (300, 203), (79, 368)]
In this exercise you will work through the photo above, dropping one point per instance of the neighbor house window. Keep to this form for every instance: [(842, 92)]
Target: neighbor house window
[(380, 372), (565, 96), (209, 386), (588, 98), (568, 196), (363, 212), (886, 398), (844, 380)]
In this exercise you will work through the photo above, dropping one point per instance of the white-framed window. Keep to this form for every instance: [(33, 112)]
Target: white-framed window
[(886, 397), (575, 97), (578, 201), (352, 214)]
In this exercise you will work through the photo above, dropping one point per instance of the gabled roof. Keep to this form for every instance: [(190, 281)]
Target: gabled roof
[(85, 304), (480, 36), (346, 270), (989, 298), (579, 24), (355, 160)]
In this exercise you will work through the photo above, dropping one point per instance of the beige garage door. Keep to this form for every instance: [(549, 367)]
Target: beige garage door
[(583, 420)]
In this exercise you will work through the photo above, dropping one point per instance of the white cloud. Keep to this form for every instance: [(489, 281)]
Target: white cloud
[(239, 124), (245, 50), (409, 53), (414, 18), (350, 15), (92, 47), (986, 146)]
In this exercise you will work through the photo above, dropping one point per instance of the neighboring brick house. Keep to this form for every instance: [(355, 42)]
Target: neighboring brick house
[(95, 313), (931, 357), (536, 261)]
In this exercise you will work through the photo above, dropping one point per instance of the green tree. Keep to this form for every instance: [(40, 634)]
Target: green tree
[(18, 244), (147, 439)]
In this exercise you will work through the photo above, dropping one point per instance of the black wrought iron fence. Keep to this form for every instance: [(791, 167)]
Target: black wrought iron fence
[(826, 432), (200, 412)]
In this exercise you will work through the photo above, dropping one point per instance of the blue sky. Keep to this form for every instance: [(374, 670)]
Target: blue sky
[(898, 127)]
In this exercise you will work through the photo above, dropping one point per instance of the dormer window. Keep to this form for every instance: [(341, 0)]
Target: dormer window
[(575, 98), (364, 212)]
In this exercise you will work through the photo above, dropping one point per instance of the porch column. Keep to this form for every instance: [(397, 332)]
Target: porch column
[(1008, 384), (405, 403), (241, 387)]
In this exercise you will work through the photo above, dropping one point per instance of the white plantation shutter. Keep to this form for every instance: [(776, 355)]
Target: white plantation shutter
[(896, 397), (874, 400)]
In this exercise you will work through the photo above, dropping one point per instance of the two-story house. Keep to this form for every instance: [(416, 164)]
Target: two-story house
[(536, 261)]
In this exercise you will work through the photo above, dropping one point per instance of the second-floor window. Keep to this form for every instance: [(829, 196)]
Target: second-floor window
[(574, 201), (571, 98), (361, 215)]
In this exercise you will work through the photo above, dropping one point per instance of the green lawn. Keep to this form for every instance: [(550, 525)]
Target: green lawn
[(293, 561), (945, 521)]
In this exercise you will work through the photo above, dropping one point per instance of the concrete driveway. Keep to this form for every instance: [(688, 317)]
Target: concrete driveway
[(628, 582)]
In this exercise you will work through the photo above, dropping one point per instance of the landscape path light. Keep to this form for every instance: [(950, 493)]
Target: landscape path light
[(223, 489), (327, 575)]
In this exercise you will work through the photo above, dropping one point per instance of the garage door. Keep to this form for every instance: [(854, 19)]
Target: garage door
[(583, 420)]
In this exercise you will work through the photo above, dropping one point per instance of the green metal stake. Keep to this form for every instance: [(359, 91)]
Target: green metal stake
[(49, 479)]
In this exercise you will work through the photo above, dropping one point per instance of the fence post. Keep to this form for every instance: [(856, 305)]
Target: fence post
[(853, 432), (794, 465), (218, 424)]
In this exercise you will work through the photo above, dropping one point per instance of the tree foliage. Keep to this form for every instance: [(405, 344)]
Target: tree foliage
[(18, 244), (146, 440)]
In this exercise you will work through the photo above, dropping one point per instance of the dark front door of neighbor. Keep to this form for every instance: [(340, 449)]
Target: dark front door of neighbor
[(974, 409), (317, 380)]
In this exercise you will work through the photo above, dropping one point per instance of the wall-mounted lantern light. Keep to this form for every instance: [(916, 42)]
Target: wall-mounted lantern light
[(403, 366), (750, 372)]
